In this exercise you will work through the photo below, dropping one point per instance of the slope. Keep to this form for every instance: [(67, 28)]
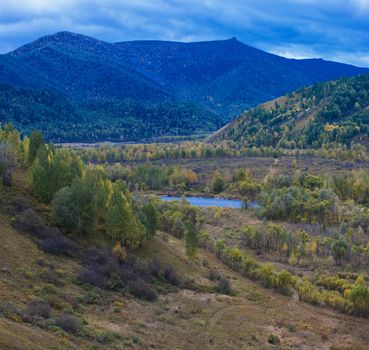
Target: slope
[(193, 317), (331, 112), (224, 75), (64, 120)]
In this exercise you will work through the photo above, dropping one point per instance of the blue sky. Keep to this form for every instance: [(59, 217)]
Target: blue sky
[(331, 29)]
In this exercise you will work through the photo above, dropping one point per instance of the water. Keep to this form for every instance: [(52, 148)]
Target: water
[(212, 202)]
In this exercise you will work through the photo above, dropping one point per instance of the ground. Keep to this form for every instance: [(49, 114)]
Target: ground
[(194, 317), (181, 319)]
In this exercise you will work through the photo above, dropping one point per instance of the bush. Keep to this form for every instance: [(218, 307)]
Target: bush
[(92, 277), (69, 324), (154, 268), (50, 276), (36, 310), (214, 275), (142, 290), (59, 245), (91, 297), (17, 205), (273, 339), (30, 222), (171, 277), (224, 286)]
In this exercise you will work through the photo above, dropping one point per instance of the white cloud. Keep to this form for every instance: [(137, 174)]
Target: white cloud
[(293, 28)]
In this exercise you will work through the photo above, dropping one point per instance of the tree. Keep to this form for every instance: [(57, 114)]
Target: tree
[(359, 296), (74, 207), (191, 241), (36, 140), (64, 212), (218, 182), (339, 249), (148, 217), (6, 163), (121, 222)]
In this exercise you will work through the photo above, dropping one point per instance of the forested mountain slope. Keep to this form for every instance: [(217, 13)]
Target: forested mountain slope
[(331, 112), (64, 120), (198, 87)]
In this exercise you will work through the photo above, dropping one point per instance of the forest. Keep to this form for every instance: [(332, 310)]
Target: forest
[(330, 113)]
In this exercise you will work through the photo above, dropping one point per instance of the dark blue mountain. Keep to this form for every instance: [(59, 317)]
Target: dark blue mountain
[(222, 77)]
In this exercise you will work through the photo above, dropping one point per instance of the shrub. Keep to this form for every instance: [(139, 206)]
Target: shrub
[(69, 324), (91, 297), (17, 205), (214, 275), (31, 223), (224, 286), (142, 290), (106, 337), (154, 268), (171, 276), (35, 310), (92, 277), (59, 245), (50, 276), (273, 339)]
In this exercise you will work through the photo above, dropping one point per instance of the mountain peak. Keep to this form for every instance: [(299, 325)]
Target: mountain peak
[(60, 39)]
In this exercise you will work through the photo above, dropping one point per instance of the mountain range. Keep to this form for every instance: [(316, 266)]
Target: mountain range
[(144, 90)]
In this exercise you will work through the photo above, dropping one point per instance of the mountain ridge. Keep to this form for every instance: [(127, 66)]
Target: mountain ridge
[(334, 112), (221, 77)]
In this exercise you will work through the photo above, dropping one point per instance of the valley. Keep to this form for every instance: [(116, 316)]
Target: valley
[(290, 274), (173, 195)]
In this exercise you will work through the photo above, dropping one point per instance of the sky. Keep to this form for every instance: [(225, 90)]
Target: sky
[(330, 29)]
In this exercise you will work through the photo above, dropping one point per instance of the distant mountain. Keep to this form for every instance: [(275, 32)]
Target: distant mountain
[(63, 120), (226, 76), (335, 112), (222, 78)]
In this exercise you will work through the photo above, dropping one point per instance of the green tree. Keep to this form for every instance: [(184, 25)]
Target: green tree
[(36, 140), (359, 296), (148, 217), (121, 222), (218, 182), (74, 207), (339, 249), (191, 241)]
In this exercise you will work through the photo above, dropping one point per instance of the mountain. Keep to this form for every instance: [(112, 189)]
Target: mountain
[(226, 76), (332, 112), (214, 80), (63, 120)]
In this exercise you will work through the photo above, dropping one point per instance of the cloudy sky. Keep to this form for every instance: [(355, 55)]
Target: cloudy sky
[(331, 29)]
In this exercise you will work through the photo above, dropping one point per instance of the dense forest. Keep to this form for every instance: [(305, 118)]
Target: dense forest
[(327, 113), (63, 120)]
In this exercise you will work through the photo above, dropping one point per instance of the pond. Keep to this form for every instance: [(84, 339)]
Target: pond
[(212, 202)]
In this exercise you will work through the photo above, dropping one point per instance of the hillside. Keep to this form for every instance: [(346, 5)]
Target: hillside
[(91, 121), (331, 112), (41, 290), (202, 85)]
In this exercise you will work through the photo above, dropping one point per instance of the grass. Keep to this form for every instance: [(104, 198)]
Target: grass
[(191, 318)]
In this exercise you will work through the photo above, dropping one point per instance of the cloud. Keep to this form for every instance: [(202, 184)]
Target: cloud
[(331, 29)]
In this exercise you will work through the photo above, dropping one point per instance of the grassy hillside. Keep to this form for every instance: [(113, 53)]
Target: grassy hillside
[(331, 112), (191, 317)]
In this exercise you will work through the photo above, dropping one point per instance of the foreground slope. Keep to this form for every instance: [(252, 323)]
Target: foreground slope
[(188, 318), (331, 112)]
